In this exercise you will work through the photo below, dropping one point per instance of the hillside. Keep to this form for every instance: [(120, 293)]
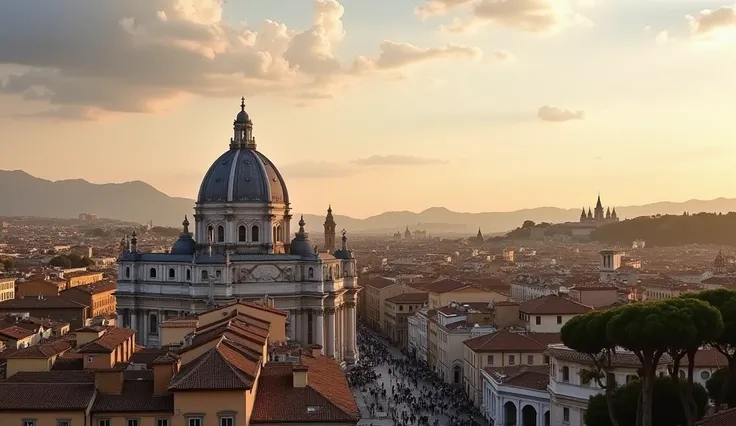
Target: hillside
[(24, 195), (670, 230)]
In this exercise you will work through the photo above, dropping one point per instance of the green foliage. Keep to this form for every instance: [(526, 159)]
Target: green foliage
[(725, 301), (524, 231), (97, 232), (8, 264), (667, 410), (71, 261), (669, 230), (715, 386)]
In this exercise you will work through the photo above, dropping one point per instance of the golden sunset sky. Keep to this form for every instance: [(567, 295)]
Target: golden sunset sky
[(474, 105)]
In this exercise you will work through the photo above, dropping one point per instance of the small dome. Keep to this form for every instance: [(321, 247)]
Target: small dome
[(242, 116), (184, 245), (343, 252), (242, 175), (301, 244)]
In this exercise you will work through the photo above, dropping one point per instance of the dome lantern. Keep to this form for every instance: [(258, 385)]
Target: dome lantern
[(242, 130)]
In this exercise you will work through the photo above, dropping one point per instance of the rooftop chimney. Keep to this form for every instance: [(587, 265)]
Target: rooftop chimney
[(109, 382), (316, 350), (165, 368), (299, 373)]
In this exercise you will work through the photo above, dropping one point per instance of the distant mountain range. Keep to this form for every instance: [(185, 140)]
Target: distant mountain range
[(24, 195)]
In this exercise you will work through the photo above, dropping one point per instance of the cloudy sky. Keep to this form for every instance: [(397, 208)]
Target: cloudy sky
[(475, 105)]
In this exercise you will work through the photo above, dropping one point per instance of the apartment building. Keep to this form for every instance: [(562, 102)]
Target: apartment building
[(502, 349), (418, 331), (7, 289), (547, 314), (99, 297), (516, 395), (55, 308), (446, 291), (377, 290), (569, 393), (398, 311), (225, 374)]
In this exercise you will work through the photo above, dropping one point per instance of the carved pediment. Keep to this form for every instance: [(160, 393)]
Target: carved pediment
[(264, 273)]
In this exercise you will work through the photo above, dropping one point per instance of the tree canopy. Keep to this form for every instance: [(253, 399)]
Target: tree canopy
[(670, 230), (667, 410), (71, 261)]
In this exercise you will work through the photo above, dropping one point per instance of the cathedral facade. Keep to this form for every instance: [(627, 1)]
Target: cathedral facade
[(598, 216), (240, 250)]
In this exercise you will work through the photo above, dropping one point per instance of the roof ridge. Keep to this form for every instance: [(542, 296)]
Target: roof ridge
[(239, 373), (197, 362)]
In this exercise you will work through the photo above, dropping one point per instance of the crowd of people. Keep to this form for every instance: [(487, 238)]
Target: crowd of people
[(410, 395)]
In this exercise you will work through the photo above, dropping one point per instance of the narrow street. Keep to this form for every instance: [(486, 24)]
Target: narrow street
[(393, 390)]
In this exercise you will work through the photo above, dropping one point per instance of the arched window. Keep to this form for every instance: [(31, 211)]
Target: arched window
[(275, 235), (210, 233), (189, 274), (565, 374), (220, 234), (172, 273), (280, 233), (205, 275), (255, 234), (311, 273), (241, 233), (152, 273), (127, 272)]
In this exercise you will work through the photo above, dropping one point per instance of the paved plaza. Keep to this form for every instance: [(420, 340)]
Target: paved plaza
[(382, 416)]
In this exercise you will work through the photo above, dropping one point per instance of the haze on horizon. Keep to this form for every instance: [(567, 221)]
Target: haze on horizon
[(474, 105)]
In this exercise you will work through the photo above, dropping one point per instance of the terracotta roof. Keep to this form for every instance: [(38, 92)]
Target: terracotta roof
[(226, 366), (326, 398), (78, 376), (147, 356), (553, 305), (621, 358), (411, 297), (36, 303), (95, 288), (705, 358), (68, 361), (43, 350), (506, 341), (378, 282), (108, 341), (445, 286), (14, 332), (254, 305), (722, 418), (137, 397), (45, 396), (534, 377)]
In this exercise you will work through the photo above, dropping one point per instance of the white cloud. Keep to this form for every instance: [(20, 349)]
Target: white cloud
[(710, 21), (662, 37), (536, 16), (557, 114), (141, 56), (504, 56), (396, 160)]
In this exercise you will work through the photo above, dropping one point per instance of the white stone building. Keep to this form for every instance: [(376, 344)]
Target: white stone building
[(417, 331), (569, 394), (516, 395), (240, 250)]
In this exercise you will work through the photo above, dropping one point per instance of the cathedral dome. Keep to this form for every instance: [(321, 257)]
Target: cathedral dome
[(185, 244), (301, 244), (241, 175)]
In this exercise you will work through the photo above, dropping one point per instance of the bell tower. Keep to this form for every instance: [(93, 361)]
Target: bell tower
[(330, 227)]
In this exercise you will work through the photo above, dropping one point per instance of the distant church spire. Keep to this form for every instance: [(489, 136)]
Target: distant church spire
[(330, 227)]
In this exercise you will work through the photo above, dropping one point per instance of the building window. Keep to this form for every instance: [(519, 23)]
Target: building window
[(104, 422), (530, 359), (682, 374), (241, 233), (538, 320), (490, 359), (705, 375), (565, 374), (311, 272), (228, 420), (512, 360), (255, 234), (218, 273), (28, 423), (172, 273), (152, 273), (153, 324), (566, 415), (189, 274), (162, 422), (220, 234), (559, 319), (194, 421), (63, 423), (205, 275), (132, 422), (210, 233), (127, 272), (546, 359)]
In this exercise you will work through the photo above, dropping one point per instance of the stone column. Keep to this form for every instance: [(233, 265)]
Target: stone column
[(351, 345), (330, 349), (121, 321), (319, 328), (145, 317), (305, 327), (134, 321), (518, 413)]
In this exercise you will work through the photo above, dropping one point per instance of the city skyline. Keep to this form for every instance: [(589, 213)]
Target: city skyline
[(354, 98)]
